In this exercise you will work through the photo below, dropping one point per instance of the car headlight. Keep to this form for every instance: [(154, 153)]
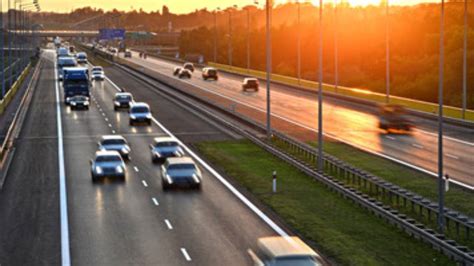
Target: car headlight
[(196, 178), (98, 170), (86, 103), (119, 169), (133, 117), (73, 103), (116, 103), (148, 116), (124, 150), (157, 154)]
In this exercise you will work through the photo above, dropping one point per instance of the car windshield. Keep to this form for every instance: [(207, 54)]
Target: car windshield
[(123, 97), (67, 62), (107, 158), (76, 83), (140, 109), (113, 142), (97, 69), (296, 261), (81, 56), (97, 72), (251, 82), (181, 166), (212, 72), (164, 144)]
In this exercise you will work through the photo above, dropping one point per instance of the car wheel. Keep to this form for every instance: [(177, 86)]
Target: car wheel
[(115, 108), (131, 122), (95, 179), (197, 186), (164, 186)]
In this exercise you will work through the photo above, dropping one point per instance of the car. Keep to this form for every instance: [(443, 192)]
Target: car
[(250, 84), (122, 100), (140, 113), (115, 143), (127, 54), (184, 73), (65, 62), (180, 172), (393, 116), (79, 102), (176, 71), (97, 73), (278, 250), (164, 148), (81, 58), (62, 52), (209, 73), (107, 164), (189, 66)]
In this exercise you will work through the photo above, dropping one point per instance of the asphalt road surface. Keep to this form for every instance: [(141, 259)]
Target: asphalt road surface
[(351, 123), (117, 223)]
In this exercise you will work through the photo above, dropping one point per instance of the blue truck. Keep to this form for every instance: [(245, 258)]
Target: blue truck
[(75, 82)]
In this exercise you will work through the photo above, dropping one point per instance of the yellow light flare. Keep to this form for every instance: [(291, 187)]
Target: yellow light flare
[(363, 2)]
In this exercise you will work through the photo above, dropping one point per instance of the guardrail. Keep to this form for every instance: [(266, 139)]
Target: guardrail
[(12, 91), (449, 247), (426, 107), (384, 190)]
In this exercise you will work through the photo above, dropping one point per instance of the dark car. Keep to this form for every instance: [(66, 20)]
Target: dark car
[(127, 54), (392, 116), (115, 143), (122, 100), (184, 73), (107, 164), (189, 66), (79, 102), (250, 84), (164, 148), (180, 172), (210, 73), (140, 113), (176, 71)]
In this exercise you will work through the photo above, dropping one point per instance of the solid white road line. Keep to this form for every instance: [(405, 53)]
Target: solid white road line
[(231, 188), (185, 254), (155, 201), (65, 249), (390, 137), (168, 224), (144, 183)]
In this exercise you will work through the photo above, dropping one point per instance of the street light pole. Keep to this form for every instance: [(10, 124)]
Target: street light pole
[(215, 34), (320, 90), (336, 48), (268, 9), (2, 78), (299, 43), (387, 51), (464, 65), (230, 36), (440, 125)]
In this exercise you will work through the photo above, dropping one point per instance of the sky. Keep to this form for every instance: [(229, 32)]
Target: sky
[(180, 6)]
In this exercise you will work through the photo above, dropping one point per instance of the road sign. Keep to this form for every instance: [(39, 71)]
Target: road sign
[(111, 34)]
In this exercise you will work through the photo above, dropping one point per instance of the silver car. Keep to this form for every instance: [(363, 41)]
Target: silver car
[(115, 143), (140, 113), (163, 148), (180, 172), (107, 164), (97, 73)]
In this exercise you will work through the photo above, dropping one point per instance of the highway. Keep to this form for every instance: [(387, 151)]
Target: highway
[(117, 223), (348, 122)]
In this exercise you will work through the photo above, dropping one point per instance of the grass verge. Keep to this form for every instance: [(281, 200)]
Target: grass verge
[(340, 229)]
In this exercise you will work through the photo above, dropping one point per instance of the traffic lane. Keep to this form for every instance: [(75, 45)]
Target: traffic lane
[(112, 223), (29, 200), (216, 225), (350, 126), (232, 82), (194, 129)]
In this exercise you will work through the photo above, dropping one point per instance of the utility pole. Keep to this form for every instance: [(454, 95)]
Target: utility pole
[(464, 65), (336, 49), (268, 8), (215, 34), (230, 36), (299, 43), (440, 125), (248, 40), (320, 90), (387, 51)]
